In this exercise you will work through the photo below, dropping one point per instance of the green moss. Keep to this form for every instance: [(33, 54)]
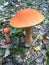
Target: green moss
[(48, 61)]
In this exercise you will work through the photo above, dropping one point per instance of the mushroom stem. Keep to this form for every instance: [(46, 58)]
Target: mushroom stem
[(7, 38), (28, 33)]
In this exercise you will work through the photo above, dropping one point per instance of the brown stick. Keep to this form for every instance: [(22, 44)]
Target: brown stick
[(27, 54)]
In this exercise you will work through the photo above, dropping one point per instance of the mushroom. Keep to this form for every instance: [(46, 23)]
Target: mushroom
[(26, 18), (7, 31)]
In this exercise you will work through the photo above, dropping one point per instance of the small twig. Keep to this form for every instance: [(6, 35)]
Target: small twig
[(33, 43), (27, 54)]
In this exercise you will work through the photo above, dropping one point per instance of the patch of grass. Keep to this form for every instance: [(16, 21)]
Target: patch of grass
[(1, 1), (48, 61), (3, 51), (47, 56)]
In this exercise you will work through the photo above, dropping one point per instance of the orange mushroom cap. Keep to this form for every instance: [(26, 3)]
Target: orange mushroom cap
[(6, 30), (26, 18)]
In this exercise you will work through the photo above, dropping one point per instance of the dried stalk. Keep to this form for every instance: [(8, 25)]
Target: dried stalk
[(27, 54)]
